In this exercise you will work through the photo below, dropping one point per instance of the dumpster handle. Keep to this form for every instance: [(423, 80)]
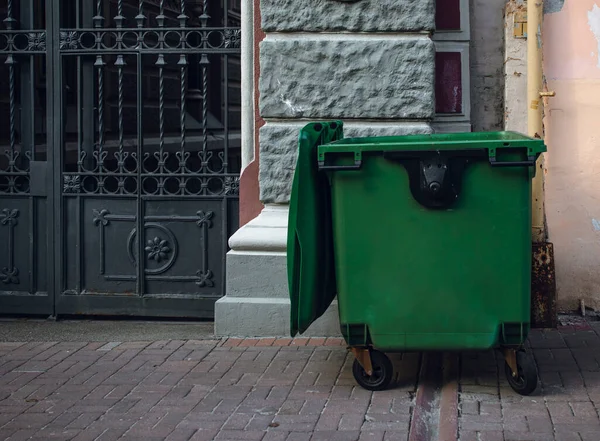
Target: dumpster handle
[(356, 166), (529, 163)]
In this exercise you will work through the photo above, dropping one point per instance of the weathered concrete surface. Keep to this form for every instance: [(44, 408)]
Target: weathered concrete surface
[(279, 144), (257, 303), (268, 317), (365, 15), (487, 68), (345, 77)]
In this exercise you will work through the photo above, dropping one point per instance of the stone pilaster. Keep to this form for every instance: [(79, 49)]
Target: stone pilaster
[(369, 63)]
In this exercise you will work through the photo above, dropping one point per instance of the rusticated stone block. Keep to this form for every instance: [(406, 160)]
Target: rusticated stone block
[(279, 145), (347, 77), (336, 15)]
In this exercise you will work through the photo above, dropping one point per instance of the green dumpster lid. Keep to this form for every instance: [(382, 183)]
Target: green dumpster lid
[(488, 141), (311, 273), (435, 163)]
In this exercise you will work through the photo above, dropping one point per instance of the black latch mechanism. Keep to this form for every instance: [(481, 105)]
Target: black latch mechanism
[(435, 177)]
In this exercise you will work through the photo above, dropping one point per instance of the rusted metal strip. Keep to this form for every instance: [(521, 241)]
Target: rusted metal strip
[(422, 426), (543, 287), (364, 358), (448, 425)]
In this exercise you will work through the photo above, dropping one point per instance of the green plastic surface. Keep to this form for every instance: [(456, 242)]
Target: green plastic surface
[(410, 277), (310, 243)]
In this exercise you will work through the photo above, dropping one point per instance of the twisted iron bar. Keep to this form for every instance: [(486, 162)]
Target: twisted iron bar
[(160, 18), (12, 100), (204, 63), (100, 65), (182, 19), (119, 19), (161, 85), (98, 19), (161, 108), (120, 63), (9, 21), (140, 19), (183, 68)]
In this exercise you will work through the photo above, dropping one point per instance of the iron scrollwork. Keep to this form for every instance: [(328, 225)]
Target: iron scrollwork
[(233, 37), (111, 168), (204, 275), (143, 89), (69, 40), (72, 184), (162, 248), (158, 249), (20, 46), (36, 41)]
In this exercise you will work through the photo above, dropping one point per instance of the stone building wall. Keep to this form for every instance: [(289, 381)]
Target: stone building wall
[(362, 62)]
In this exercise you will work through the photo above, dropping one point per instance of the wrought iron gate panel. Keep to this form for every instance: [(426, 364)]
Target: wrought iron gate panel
[(24, 214), (146, 138)]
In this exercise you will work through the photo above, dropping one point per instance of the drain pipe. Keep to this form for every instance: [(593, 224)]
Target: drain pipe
[(534, 115), (543, 277)]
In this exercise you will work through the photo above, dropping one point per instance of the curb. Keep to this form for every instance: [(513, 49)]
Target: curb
[(281, 342)]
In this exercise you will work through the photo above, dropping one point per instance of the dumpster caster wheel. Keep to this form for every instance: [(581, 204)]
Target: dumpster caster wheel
[(525, 382), (383, 371)]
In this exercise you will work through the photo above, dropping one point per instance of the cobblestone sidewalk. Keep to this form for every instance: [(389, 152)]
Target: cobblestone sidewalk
[(282, 390)]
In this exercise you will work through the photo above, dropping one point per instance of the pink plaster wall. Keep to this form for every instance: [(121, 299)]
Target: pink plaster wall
[(573, 137)]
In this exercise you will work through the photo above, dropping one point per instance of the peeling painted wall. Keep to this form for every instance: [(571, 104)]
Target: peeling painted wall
[(552, 6), (571, 38), (487, 58), (515, 72)]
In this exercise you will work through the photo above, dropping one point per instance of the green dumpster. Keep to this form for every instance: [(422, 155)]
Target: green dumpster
[(424, 239)]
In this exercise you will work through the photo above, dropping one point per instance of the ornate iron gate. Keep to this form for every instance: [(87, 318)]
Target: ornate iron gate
[(120, 175)]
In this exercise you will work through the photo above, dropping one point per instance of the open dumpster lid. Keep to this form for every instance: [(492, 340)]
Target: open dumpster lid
[(310, 258)]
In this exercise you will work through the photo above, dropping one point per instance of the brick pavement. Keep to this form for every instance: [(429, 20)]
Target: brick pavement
[(279, 389), (565, 406)]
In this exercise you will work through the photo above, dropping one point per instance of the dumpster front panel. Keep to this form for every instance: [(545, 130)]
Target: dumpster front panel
[(418, 278)]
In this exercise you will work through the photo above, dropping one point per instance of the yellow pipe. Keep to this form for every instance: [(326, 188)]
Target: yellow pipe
[(534, 114)]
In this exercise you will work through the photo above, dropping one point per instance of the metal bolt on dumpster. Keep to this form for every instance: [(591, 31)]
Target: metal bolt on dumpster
[(424, 239)]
